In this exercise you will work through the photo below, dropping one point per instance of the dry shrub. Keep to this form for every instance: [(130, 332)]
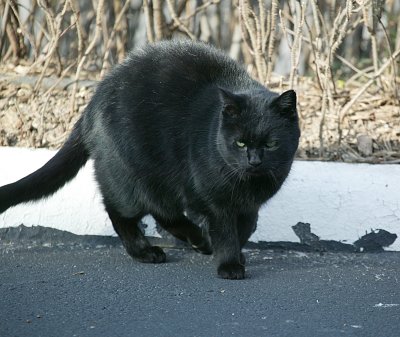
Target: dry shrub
[(340, 55)]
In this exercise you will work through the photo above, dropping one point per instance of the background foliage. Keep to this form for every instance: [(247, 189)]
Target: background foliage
[(341, 56)]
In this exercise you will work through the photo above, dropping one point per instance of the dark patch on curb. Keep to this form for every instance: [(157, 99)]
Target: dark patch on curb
[(38, 236), (371, 242), (45, 236), (375, 241)]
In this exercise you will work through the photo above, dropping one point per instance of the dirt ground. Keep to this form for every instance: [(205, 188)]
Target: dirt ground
[(369, 132)]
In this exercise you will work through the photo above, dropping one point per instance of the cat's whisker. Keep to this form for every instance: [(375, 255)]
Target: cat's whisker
[(274, 180)]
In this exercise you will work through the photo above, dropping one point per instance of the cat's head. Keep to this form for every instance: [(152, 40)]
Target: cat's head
[(258, 131)]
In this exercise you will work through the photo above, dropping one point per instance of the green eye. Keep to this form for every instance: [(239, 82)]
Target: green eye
[(271, 144), (240, 144)]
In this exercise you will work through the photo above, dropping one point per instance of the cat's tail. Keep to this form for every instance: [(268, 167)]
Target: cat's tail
[(51, 176)]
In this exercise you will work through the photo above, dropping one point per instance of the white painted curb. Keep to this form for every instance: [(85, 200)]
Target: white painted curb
[(340, 201)]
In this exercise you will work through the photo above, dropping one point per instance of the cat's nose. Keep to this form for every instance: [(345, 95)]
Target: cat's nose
[(255, 161)]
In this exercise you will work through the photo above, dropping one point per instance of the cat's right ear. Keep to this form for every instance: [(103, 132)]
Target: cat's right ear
[(286, 104), (231, 103)]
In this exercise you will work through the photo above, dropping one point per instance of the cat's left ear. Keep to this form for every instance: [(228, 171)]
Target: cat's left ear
[(231, 103), (286, 103)]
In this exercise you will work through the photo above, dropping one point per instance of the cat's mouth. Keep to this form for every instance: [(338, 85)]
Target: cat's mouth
[(255, 172)]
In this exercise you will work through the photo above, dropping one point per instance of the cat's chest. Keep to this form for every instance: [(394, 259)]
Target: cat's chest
[(251, 193), (235, 194)]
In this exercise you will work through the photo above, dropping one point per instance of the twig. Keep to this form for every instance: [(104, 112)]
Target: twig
[(353, 67), (158, 19), (271, 36), (55, 32), (4, 25), (343, 112), (149, 21), (177, 21), (200, 8), (370, 23), (99, 16), (112, 35), (79, 32), (296, 46), (23, 30), (253, 30), (394, 65)]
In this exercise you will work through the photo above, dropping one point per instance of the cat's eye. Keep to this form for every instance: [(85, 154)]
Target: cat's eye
[(240, 144), (271, 145)]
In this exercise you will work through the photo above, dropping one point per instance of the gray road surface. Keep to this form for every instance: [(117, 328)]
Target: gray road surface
[(102, 292)]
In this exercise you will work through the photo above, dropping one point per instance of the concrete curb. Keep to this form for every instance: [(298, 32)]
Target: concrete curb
[(341, 201)]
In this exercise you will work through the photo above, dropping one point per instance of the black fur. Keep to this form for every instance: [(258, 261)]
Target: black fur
[(178, 128)]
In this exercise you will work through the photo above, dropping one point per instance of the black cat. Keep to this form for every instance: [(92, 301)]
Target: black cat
[(178, 127)]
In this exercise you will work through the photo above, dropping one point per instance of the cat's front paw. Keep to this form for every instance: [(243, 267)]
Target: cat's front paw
[(231, 271), (204, 247), (151, 254)]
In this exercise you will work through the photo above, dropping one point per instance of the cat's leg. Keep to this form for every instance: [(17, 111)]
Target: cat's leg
[(184, 229), (135, 243), (246, 225), (226, 246)]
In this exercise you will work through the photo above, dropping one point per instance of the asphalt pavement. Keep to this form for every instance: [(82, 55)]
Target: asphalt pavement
[(100, 291)]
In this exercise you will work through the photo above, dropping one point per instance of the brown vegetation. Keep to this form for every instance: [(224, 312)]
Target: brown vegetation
[(341, 56)]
